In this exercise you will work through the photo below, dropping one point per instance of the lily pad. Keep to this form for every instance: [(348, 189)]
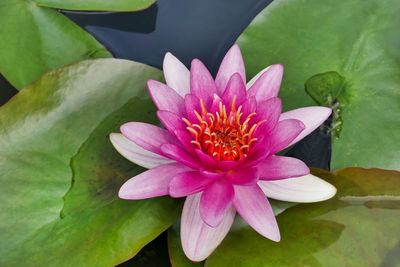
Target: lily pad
[(36, 39), (97, 5), (356, 40), (358, 227), (60, 174)]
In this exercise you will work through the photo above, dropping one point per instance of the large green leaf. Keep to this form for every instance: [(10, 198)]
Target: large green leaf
[(99, 5), (60, 175), (358, 40), (36, 39), (358, 227)]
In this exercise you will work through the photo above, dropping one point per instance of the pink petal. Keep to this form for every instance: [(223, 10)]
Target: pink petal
[(207, 160), (215, 201), (249, 106), (192, 103), (305, 189), (166, 98), (188, 183), (198, 239), (135, 153), (232, 63), (283, 134), (185, 138), (268, 110), (235, 89), (251, 203), (181, 155), (148, 136), (267, 84), (151, 183), (202, 83), (312, 117), (278, 167), (171, 121), (176, 74), (244, 176)]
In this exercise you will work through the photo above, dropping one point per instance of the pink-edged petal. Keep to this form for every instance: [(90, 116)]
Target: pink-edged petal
[(148, 136), (283, 134), (235, 91), (312, 117), (188, 183), (202, 83), (215, 200), (253, 206), (171, 121), (181, 155), (267, 84), (198, 239), (304, 189), (268, 111), (166, 98), (232, 63), (243, 176), (279, 167), (135, 153), (151, 183), (192, 103), (176, 74)]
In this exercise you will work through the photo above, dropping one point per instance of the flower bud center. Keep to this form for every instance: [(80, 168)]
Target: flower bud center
[(221, 135)]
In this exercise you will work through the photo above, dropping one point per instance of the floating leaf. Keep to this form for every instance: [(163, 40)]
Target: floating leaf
[(98, 5), (60, 174), (358, 227), (36, 39), (348, 51)]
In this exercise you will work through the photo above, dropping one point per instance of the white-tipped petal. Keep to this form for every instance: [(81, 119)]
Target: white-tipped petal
[(198, 239), (303, 189), (176, 74), (135, 153), (312, 117)]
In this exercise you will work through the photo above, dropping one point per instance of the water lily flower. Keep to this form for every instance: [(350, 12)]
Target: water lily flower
[(218, 149)]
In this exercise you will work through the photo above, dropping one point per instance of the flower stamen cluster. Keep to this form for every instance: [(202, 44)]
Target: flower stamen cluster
[(223, 135)]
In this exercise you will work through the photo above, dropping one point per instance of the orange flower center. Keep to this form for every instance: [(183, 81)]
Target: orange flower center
[(221, 135)]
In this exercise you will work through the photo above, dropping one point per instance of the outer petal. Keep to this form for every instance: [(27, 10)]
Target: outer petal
[(283, 134), (148, 136), (176, 74), (235, 89), (202, 83), (151, 183), (188, 183), (267, 84), (232, 63), (305, 189), (251, 203), (277, 167), (312, 117), (198, 239), (166, 98), (135, 153), (215, 201)]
